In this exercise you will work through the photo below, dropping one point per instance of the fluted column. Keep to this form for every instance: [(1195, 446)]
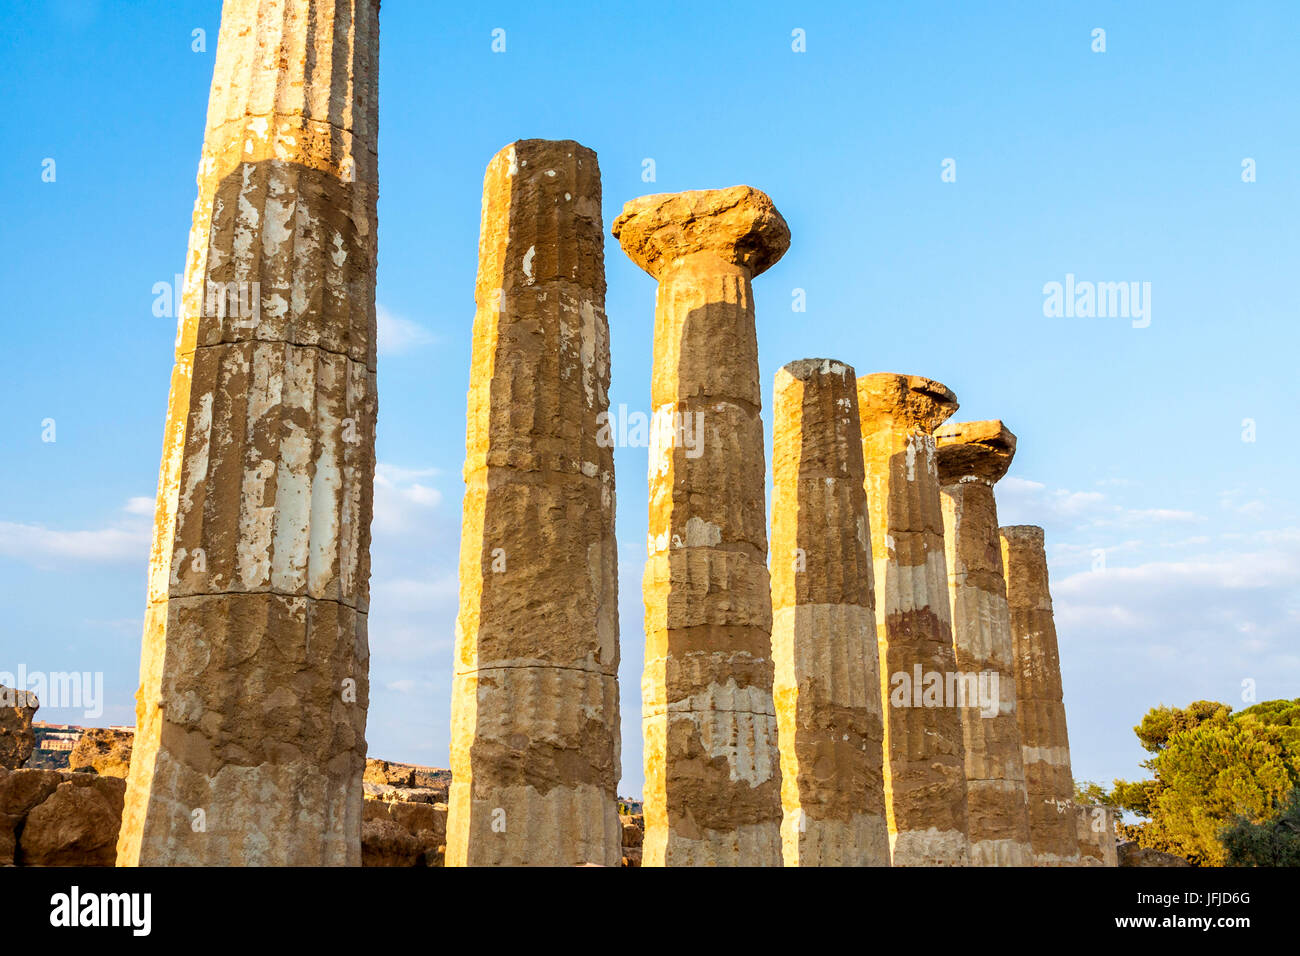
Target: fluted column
[(972, 457), (1040, 712), (250, 719), (535, 725), (823, 624), (925, 778), (712, 774)]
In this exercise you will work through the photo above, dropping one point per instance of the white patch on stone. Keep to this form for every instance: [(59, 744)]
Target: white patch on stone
[(702, 534), (587, 349), (528, 263)]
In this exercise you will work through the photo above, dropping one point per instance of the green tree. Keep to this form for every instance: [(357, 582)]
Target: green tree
[(1211, 767), (1274, 842), (1088, 793)]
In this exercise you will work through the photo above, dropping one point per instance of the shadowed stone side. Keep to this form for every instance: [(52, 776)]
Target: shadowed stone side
[(972, 457), (1044, 742), (250, 719), (925, 777), (823, 624), (1096, 829), (712, 770), (535, 718), (17, 739)]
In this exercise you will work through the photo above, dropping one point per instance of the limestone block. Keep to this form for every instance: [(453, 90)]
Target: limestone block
[(104, 751), (76, 825), (17, 740)]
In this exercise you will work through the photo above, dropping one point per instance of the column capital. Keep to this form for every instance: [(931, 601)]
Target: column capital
[(1024, 535), (739, 225), (974, 450), (912, 400)]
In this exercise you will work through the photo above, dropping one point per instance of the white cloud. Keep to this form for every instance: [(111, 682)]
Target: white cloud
[(398, 335), (413, 594), (402, 502), (1021, 501), (37, 544), (139, 506), (1222, 609)]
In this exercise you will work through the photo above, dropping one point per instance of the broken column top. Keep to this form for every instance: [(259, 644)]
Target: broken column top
[(911, 400), (974, 450), (806, 370), (1022, 533), (739, 224)]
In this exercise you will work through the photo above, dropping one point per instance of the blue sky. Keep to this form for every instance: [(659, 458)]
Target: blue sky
[(1122, 166)]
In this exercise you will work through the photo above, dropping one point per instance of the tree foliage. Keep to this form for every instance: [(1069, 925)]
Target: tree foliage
[(1275, 842), (1212, 769)]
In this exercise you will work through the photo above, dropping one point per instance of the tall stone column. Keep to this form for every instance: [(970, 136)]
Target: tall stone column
[(1044, 743), (823, 624), (972, 457), (535, 726), (712, 771), (250, 719), (925, 778)]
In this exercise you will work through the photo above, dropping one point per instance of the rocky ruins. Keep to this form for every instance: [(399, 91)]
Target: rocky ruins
[(812, 716)]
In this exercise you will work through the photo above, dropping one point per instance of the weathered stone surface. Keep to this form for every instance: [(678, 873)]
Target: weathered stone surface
[(827, 672), (409, 781), (633, 838), (712, 769), (535, 722), (972, 456), (1130, 854), (17, 708), (20, 791), (925, 778), (254, 666), (76, 825), (403, 834), (103, 750), (1040, 713), (1096, 829)]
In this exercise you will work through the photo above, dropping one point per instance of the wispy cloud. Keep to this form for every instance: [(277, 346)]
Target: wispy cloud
[(1021, 500), (33, 542), (401, 499), (398, 335), (124, 541)]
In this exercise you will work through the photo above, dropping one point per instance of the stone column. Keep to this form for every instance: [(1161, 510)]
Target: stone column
[(972, 457), (824, 625), (712, 771), (925, 778), (1044, 743), (250, 719), (535, 726), (1095, 827)]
